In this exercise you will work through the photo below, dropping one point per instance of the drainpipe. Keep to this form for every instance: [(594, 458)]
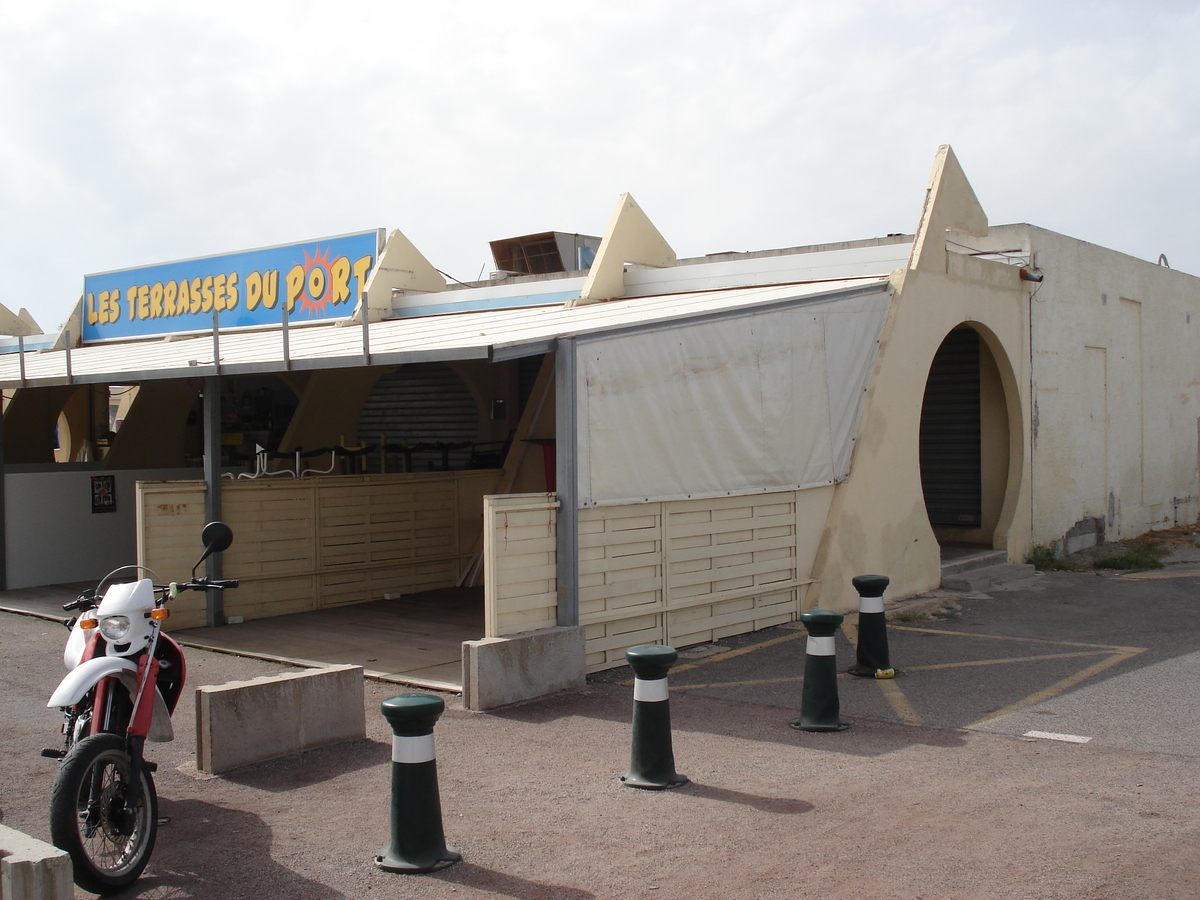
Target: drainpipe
[(567, 478)]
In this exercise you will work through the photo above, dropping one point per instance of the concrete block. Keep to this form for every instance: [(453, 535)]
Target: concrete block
[(245, 722), (31, 869), (499, 671)]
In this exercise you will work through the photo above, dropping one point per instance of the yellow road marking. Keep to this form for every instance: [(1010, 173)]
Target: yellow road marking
[(894, 696), (1022, 640), (851, 631), (891, 691), (1000, 662), (1055, 689), (717, 657), (732, 653), (725, 684), (1173, 572)]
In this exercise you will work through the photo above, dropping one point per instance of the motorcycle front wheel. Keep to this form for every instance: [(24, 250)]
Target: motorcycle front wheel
[(108, 848)]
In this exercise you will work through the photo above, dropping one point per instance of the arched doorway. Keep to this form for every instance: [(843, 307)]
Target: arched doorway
[(965, 440)]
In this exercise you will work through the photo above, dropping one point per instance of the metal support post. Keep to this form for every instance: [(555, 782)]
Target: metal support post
[(566, 478), (215, 607)]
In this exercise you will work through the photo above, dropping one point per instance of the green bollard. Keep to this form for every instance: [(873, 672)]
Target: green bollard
[(418, 842), (652, 764), (819, 706), (873, 660)]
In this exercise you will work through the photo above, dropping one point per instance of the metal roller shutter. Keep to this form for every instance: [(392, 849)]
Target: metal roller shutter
[(422, 403), (950, 433)]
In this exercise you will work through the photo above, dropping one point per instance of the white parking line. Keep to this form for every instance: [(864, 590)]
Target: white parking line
[(1051, 736)]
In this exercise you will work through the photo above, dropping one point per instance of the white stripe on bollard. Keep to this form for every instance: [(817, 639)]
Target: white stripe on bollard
[(820, 646), (870, 604), (417, 749), (650, 691)]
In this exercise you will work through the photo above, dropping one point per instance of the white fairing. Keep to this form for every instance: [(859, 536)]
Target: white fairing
[(133, 599), (83, 677), (76, 644)]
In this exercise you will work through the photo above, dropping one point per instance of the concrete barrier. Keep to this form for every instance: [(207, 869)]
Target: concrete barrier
[(245, 722), (499, 671), (31, 869)]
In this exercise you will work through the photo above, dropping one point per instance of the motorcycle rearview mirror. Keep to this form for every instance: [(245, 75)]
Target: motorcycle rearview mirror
[(217, 536)]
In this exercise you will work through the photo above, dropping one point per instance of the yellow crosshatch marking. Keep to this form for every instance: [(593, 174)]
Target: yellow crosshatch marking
[(1175, 571), (892, 692)]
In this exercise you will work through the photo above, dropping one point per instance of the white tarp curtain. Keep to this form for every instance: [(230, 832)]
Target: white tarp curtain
[(755, 402)]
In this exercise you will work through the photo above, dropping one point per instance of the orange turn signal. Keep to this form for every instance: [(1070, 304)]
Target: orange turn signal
[(88, 623), (159, 613)]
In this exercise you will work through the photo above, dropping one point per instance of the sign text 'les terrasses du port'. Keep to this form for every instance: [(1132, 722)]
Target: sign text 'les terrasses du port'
[(312, 280)]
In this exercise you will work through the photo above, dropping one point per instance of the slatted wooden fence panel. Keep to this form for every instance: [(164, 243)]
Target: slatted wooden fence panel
[(620, 580), (737, 556), (520, 563), (692, 571), (315, 543), (169, 520)]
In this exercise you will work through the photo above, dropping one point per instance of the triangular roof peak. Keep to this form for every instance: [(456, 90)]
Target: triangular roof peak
[(950, 205), (630, 238)]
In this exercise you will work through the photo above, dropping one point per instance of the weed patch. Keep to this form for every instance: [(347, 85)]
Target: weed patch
[(1045, 559), (1140, 555)]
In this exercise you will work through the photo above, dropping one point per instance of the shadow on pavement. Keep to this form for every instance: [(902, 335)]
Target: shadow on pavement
[(312, 766), (232, 849), (470, 875), (744, 717), (779, 805)]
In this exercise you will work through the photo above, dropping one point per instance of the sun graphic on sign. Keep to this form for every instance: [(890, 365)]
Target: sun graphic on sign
[(317, 284)]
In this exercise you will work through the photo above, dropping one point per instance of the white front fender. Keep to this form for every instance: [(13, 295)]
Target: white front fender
[(84, 676)]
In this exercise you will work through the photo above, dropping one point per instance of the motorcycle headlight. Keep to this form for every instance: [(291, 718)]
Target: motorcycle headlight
[(114, 628)]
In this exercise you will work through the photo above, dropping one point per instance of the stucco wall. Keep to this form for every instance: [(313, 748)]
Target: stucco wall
[(1116, 384), (877, 523), (51, 534)]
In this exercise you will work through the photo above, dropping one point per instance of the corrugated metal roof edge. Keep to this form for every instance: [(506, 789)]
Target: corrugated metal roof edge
[(490, 350), (518, 349)]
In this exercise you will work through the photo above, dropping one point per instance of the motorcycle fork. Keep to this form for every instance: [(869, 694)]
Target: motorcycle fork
[(139, 725), (134, 745), (101, 707)]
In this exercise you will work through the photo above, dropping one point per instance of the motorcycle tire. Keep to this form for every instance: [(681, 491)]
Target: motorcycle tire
[(86, 812)]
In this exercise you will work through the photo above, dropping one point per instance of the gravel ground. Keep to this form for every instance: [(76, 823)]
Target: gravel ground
[(530, 797)]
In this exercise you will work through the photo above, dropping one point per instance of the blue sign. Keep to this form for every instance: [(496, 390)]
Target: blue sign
[(321, 279)]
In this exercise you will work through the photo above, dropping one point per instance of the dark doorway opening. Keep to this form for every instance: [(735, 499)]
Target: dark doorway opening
[(950, 440)]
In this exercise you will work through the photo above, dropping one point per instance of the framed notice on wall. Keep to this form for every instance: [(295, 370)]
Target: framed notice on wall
[(104, 493)]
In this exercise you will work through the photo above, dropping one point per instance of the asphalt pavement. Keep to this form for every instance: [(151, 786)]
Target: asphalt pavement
[(1107, 658)]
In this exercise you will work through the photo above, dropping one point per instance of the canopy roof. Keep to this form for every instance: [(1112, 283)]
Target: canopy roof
[(488, 334)]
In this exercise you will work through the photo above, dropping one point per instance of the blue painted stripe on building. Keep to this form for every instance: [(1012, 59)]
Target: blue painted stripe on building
[(41, 343), (521, 302)]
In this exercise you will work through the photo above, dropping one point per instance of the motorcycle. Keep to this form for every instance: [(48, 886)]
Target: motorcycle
[(124, 683)]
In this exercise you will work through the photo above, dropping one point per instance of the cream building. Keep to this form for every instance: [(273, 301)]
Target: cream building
[(652, 449)]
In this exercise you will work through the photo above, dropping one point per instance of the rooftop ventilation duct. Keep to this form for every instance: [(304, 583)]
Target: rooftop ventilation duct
[(540, 254)]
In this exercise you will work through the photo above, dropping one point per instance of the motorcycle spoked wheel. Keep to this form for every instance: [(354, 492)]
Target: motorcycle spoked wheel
[(108, 850)]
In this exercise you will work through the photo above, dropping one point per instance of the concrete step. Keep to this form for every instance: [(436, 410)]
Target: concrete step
[(980, 559), (987, 577)]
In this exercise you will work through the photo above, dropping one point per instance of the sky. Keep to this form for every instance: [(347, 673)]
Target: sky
[(134, 132)]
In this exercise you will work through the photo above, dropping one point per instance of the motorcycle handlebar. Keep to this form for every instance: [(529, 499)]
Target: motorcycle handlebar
[(203, 584), (86, 600)]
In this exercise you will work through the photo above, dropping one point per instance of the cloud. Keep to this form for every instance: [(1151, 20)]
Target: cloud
[(138, 132)]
